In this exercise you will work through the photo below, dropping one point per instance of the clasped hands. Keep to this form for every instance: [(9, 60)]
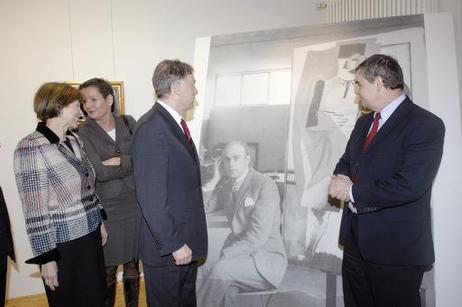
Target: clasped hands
[(339, 187)]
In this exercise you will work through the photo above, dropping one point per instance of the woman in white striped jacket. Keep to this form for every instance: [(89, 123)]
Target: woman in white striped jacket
[(56, 184)]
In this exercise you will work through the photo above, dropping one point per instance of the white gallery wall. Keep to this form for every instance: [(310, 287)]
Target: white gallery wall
[(51, 40), (455, 7)]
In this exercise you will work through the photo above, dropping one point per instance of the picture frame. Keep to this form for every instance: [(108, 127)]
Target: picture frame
[(118, 87)]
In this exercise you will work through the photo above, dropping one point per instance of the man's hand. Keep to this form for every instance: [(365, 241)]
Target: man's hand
[(104, 234), (183, 255), (50, 275), (114, 161), (339, 187), (212, 183)]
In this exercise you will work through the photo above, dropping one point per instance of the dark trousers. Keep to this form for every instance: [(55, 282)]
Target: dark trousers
[(3, 263), (366, 284), (171, 286), (81, 274)]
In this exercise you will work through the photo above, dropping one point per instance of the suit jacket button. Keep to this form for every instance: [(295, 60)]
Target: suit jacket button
[(87, 174), (88, 187)]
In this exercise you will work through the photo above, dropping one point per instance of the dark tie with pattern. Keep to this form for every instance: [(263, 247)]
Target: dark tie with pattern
[(373, 132), (186, 131)]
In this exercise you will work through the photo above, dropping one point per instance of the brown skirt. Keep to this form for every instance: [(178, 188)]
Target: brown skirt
[(121, 227)]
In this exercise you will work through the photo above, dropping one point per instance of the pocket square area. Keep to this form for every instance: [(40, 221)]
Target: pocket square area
[(248, 202)]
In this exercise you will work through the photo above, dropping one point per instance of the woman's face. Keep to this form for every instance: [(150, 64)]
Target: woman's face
[(70, 114), (95, 104)]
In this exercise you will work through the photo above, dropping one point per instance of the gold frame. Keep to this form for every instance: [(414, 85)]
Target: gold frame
[(118, 87)]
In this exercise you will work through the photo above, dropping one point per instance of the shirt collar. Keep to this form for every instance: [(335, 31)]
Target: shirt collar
[(390, 108), (47, 132), (176, 116)]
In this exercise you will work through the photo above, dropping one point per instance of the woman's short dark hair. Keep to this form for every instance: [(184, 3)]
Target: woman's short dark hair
[(103, 86), (384, 66), (52, 97), (166, 73)]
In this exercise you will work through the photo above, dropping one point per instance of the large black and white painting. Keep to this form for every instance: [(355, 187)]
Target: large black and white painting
[(276, 111)]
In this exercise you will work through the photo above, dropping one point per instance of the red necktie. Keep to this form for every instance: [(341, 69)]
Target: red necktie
[(373, 132), (186, 131)]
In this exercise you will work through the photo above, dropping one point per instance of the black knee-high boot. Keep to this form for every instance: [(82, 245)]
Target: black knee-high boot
[(131, 281), (111, 283)]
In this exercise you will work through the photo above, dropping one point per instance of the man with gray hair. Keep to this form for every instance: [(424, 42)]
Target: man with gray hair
[(172, 231), (385, 177), (253, 257)]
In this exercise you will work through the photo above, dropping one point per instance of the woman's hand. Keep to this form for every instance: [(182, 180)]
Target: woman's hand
[(50, 274), (114, 161), (104, 234)]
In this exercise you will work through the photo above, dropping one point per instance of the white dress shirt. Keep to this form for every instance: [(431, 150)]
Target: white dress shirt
[(176, 116)]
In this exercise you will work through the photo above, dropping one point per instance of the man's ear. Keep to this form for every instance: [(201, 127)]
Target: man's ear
[(175, 88), (379, 83)]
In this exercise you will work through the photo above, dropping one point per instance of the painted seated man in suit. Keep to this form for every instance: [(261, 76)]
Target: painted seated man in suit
[(253, 257)]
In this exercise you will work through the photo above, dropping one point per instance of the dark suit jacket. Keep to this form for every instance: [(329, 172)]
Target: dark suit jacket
[(392, 186), (168, 185), (6, 241)]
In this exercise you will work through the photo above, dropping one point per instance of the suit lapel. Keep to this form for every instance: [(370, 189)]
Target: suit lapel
[(99, 130), (120, 128), (396, 118), (228, 200), (75, 158), (178, 132), (243, 190)]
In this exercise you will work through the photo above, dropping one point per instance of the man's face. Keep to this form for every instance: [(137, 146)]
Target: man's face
[(187, 92), (367, 91), (235, 160)]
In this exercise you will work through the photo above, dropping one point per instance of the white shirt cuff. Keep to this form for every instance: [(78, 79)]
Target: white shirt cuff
[(351, 194), (351, 202)]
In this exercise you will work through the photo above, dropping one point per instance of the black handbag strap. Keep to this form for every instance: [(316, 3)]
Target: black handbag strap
[(124, 118)]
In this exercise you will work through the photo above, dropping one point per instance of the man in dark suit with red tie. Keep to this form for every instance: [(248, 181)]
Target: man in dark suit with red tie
[(385, 178), (173, 231), (6, 246)]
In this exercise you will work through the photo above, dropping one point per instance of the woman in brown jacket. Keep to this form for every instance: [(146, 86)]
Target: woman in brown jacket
[(106, 140)]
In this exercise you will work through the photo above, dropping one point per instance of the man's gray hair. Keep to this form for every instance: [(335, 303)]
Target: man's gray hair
[(384, 66), (168, 72)]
